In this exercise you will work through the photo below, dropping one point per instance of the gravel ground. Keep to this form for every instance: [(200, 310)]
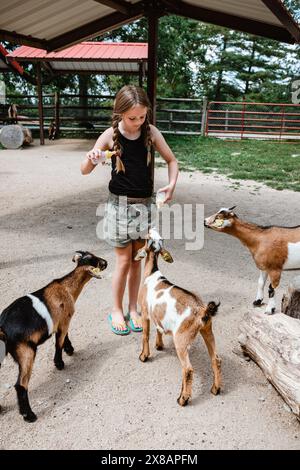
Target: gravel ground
[(105, 398)]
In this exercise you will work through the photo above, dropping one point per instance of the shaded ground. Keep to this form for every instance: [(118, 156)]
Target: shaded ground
[(106, 398)]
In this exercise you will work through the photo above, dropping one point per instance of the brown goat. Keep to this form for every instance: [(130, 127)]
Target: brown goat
[(273, 248), (175, 311), (30, 320)]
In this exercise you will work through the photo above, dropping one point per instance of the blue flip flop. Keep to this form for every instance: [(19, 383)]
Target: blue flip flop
[(135, 329), (114, 330)]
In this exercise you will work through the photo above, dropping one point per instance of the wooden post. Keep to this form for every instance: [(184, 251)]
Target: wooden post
[(152, 60), (56, 112), (141, 74), (226, 119), (40, 101), (83, 98), (152, 66), (204, 115)]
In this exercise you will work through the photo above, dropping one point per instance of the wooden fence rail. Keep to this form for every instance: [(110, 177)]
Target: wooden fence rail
[(182, 116)]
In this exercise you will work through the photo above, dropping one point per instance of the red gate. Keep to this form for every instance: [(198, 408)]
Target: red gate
[(241, 119)]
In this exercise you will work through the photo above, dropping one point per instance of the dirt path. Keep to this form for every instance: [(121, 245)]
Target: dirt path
[(106, 398)]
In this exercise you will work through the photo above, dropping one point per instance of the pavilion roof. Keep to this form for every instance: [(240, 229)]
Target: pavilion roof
[(56, 24)]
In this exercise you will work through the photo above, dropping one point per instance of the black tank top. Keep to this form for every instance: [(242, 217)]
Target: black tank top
[(137, 180)]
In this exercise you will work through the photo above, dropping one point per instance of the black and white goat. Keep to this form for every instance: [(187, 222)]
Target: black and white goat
[(30, 320)]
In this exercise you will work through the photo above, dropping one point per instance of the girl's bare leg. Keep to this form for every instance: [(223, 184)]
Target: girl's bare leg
[(134, 280), (123, 263)]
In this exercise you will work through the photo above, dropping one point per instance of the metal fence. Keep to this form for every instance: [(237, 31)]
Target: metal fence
[(240, 120)]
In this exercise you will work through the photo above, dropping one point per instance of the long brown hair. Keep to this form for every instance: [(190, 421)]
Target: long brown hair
[(126, 98)]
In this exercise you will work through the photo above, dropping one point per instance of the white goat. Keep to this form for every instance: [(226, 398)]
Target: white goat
[(174, 311), (274, 249)]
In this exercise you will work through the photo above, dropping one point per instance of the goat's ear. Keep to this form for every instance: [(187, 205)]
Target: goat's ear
[(149, 242), (76, 257), (166, 255), (231, 208)]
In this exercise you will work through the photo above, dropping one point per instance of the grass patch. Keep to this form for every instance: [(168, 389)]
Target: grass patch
[(272, 163)]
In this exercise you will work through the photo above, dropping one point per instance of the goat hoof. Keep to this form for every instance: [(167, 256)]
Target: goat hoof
[(159, 347), (30, 417), (69, 350), (182, 401), (267, 312), (143, 358), (59, 365), (257, 303), (215, 390)]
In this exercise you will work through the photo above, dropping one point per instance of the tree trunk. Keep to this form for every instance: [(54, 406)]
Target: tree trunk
[(290, 304), (247, 85), (273, 342), (220, 74)]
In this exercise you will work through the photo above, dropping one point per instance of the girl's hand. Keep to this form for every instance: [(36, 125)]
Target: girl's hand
[(168, 190), (95, 156)]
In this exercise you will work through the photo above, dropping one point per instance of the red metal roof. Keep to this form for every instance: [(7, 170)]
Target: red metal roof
[(14, 63), (86, 51)]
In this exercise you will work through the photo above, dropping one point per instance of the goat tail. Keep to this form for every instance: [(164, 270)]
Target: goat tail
[(211, 310), (2, 346)]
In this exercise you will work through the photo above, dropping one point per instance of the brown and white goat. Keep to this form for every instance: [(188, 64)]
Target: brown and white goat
[(30, 320), (274, 249), (174, 311)]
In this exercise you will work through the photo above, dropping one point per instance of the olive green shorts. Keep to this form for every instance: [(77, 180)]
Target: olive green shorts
[(127, 219)]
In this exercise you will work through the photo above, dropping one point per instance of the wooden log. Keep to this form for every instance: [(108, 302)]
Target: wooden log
[(273, 342), (11, 136), (27, 136), (14, 136), (290, 304)]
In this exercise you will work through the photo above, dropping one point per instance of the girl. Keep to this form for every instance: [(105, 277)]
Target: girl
[(131, 138)]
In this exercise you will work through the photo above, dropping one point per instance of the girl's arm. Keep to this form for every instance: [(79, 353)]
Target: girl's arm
[(103, 143), (164, 150)]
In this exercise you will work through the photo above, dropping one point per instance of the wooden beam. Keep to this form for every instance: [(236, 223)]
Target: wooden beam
[(152, 65), (17, 38), (284, 16), (119, 5), (95, 28), (142, 73), (227, 20), (48, 67), (40, 101)]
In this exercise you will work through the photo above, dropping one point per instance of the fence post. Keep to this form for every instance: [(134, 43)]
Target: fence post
[(56, 112), (204, 115), (282, 121), (170, 121), (226, 119), (243, 118), (40, 101)]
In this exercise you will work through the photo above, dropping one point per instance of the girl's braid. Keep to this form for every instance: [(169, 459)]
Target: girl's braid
[(148, 140), (117, 147)]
